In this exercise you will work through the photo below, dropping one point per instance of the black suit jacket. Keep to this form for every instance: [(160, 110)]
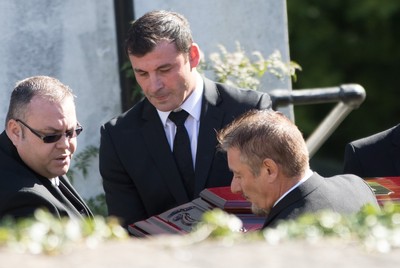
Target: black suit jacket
[(374, 156), (344, 194), (140, 177), (22, 191)]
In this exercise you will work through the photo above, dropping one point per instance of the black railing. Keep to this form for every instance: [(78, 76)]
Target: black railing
[(347, 96)]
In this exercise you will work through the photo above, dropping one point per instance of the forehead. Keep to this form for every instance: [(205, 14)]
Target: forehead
[(40, 109), (164, 53), (234, 161)]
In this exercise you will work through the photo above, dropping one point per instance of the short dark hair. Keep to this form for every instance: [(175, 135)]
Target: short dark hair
[(44, 86), (154, 27)]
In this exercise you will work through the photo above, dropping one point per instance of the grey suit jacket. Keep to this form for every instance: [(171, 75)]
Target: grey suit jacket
[(344, 194), (139, 174), (22, 191), (374, 156)]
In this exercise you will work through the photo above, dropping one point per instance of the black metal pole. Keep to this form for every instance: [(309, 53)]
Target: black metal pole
[(351, 94), (124, 15)]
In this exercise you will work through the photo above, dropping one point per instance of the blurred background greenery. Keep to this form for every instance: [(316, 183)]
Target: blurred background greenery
[(341, 41)]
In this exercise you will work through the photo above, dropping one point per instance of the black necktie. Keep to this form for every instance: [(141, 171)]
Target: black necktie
[(182, 152)]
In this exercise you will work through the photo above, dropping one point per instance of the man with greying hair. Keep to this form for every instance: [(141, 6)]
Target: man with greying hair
[(270, 163), (162, 152), (36, 149)]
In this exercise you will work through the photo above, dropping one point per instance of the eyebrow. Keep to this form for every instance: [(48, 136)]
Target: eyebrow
[(52, 129), (233, 171), (159, 67)]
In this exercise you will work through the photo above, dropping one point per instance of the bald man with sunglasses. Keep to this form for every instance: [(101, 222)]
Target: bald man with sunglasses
[(36, 149)]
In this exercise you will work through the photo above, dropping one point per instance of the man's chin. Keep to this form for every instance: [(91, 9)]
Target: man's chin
[(259, 211), (59, 172)]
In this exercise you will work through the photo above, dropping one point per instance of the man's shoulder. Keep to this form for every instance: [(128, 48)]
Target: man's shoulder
[(344, 177), (17, 182), (229, 95), (344, 182), (332, 189), (377, 138), (14, 174), (237, 91), (129, 117), (21, 200)]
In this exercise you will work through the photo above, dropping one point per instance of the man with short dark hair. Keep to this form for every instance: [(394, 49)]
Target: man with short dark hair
[(143, 173), (36, 149)]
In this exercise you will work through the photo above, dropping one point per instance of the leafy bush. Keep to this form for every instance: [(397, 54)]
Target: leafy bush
[(82, 161), (46, 234), (371, 228), (237, 69)]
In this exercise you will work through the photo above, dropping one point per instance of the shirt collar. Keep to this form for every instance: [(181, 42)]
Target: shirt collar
[(307, 175), (55, 181), (192, 104)]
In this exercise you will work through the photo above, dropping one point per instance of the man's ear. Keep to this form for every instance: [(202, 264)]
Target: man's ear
[(194, 55), (14, 131), (271, 169)]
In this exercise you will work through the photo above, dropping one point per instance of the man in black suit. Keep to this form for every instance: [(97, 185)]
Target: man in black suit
[(377, 155), (36, 149), (140, 175), (269, 160)]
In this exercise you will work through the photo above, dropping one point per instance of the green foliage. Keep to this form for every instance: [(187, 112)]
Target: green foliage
[(218, 224), (136, 90), (237, 69), (371, 228), (46, 234), (82, 161), (340, 41), (98, 205)]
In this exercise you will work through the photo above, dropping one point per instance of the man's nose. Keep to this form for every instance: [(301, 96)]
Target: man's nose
[(155, 82), (235, 186), (64, 141)]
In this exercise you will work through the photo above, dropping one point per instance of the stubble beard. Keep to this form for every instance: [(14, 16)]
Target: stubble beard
[(259, 211)]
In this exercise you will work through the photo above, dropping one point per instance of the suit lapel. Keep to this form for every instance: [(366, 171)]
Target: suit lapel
[(210, 120), (293, 197), (65, 181), (75, 195), (154, 137), (396, 149), (61, 200)]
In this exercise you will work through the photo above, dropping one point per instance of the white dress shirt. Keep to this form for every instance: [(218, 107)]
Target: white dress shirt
[(55, 181), (192, 105)]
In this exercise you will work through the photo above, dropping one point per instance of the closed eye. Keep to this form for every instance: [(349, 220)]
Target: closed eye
[(140, 73), (165, 70), (236, 176)]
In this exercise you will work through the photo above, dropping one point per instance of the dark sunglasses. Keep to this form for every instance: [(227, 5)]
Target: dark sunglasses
[(54, 138)]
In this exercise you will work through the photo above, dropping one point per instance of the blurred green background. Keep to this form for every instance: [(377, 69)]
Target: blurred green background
[(341, 41)]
